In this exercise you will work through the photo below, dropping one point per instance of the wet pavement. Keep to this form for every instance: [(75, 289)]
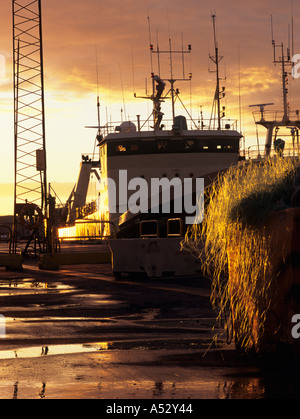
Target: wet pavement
[(77, 333)]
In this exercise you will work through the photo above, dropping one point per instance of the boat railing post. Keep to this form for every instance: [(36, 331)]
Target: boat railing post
[(139, 122)]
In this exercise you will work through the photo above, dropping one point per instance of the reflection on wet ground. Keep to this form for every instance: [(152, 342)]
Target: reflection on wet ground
[(96, 371), (30, 285), (155, 390), (33, 352), (80, 334)]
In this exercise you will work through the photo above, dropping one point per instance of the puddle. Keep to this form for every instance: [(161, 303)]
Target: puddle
[(150, 314), (97, 299), (37, 351), (99, 296), (31, 284), (46, 319)]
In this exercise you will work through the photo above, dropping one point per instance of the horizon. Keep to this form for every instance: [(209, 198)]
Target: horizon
[(63, 190)]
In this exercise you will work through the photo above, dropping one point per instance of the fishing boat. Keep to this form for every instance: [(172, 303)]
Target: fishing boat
[(151, 176)]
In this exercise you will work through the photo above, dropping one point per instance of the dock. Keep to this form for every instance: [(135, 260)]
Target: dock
[(77, 332)]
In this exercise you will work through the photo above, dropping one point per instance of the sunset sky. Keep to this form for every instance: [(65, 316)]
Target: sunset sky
[(77, 34)]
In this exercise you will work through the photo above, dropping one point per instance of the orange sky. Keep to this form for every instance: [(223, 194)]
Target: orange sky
[(118, 30)]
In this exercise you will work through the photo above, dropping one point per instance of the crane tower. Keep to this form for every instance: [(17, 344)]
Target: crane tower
[(30, 196)]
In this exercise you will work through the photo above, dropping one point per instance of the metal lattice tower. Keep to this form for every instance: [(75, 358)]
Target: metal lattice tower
[(29, 112)]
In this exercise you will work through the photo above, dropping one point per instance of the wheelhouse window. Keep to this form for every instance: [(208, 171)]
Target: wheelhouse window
[(134, 147), (190, 145), (162, 145), (121, 148), (180, 145), (203, 147)]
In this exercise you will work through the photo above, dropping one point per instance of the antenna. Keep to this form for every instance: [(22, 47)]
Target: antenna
[(216, 60), (284, 61), (240, 98), (158, 60), (151, 60), (172, 80), (121, 77), (292, 25), (132, 62), (98, 97), (183, 74), (159, 83), (273, 41), (150, 42)]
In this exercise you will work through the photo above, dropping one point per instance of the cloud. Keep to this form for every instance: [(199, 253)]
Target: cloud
[(75, 32), (118, 30)]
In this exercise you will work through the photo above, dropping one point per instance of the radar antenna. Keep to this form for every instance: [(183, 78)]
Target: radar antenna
[(261, 108)]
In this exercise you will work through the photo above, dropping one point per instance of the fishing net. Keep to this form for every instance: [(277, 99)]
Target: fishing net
[(236, 244)]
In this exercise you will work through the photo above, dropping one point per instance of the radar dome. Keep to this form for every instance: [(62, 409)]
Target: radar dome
[(127, 126)]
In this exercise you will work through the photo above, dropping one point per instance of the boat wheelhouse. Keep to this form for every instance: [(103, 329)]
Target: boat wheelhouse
[(178, 150)]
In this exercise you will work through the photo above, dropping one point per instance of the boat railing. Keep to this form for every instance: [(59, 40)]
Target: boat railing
[(258, 153), (273, 116), (138, 125), (83, 231)]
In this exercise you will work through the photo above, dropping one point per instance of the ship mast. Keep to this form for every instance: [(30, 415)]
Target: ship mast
[(218, 94), (172, 80), (284, 61), (286, 121), (159, 82)]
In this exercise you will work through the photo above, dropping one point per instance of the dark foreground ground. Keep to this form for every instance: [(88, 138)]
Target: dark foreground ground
[(77, 333)]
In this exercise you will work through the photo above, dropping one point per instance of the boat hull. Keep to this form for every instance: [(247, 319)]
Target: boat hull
[(153, 258)]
